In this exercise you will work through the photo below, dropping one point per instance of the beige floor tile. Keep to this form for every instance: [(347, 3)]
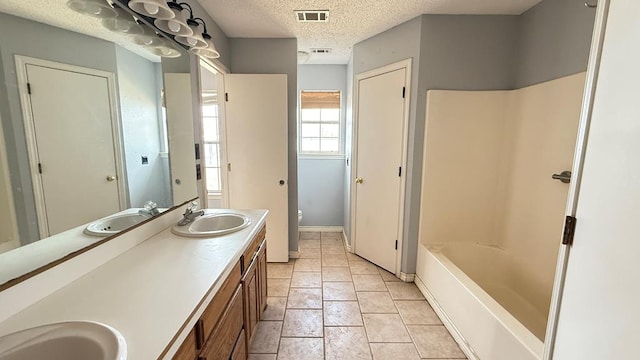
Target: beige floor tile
[(302, 323), (338, 291), (342, 313), (385, 328), (332, 242), (307, 265), (266, 338), (275, 308), (363, 268), (416, 312), (332, 250), (334, 260), (262, 357), (304, 298), (394, 351), (368, 283), (301, 349), (308, 244), (376, 303), (306, 279), (387, 276), (309, 235), (278, 287), (312, 253), (404, 291), (434, 342), (343, 343), (336, 274), (331, 236), (354, 257), (279, 271)]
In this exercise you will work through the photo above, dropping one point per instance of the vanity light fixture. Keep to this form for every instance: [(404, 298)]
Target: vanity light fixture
[(194, 40), (210, 51), (124, 23), (158, 9), (148, 37), (177, 25), (97, 8), (165, 50)]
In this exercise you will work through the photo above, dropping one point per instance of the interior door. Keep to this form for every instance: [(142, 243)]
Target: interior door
[(256, 139), (599, 311), (379, 150), (71, 114)]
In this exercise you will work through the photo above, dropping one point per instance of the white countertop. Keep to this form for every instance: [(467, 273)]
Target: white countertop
[(148, 292)]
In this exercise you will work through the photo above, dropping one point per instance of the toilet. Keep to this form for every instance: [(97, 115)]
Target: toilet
[(299, 216)]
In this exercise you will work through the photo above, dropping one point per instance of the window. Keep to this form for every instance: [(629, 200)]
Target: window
[(211, 146), (319, 122)]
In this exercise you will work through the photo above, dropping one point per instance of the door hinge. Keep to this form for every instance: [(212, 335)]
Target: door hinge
[(404, 89), (569, 230), (399, 171), (29, 88), (396, 244), (229, 167), (226, 97), (40, 168)]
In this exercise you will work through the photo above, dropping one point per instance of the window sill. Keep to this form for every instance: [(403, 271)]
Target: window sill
[(321, 156)]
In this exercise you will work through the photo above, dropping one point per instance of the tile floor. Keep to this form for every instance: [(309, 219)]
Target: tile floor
[(330, 304)]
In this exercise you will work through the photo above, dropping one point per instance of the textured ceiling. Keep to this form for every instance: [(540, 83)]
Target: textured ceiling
[(56, 13), (350, 21)]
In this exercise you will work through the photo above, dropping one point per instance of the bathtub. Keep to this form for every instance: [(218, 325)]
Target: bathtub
[(480, 297)]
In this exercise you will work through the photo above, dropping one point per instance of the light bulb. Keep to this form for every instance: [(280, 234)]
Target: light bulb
[(93, 9), (174, 26), (191, 41), (151, 8)]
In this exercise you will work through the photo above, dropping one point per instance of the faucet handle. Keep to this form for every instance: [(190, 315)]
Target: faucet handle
[(150, 205), (193, 206)]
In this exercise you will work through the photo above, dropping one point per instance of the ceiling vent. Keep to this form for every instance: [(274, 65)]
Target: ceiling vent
[(320, 50), (312, 15)]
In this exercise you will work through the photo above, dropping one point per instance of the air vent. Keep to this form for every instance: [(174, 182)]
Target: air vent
[(320, 50), (312, 15)]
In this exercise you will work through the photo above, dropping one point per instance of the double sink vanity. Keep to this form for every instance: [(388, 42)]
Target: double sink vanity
[(187, 292)]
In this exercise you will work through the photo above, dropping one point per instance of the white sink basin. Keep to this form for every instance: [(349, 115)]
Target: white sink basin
[(211, 225), (64, 341), (114, 224)]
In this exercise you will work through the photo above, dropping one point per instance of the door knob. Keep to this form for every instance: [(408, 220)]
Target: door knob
[(110, 178), (281, 182), (359, 180)]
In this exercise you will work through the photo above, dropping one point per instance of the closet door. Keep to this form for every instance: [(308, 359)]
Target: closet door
[(257, 169)]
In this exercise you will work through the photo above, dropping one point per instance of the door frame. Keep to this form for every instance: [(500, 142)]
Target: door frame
[(403, 64), (29, 127), (4, 169), (576, 171)]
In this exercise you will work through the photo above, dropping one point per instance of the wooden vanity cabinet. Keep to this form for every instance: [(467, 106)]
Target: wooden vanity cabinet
[(225, 329)]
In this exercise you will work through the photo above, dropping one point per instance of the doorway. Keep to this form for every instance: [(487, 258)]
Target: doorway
[(379, 157), (73, 141)]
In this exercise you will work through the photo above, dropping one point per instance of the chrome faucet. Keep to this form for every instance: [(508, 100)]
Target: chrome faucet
[(190, 215), (150, 209)]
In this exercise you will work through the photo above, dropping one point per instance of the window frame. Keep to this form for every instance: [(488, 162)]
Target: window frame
[(341, 146), (213, 193)]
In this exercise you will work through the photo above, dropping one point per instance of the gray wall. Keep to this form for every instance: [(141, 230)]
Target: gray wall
[(43, 42), (138, 90), (555, 39), (472, 53), (275, 56), (320, 179)]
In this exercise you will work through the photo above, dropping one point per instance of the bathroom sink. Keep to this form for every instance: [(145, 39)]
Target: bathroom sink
[(211, 225), (63, 341), (114, 224)]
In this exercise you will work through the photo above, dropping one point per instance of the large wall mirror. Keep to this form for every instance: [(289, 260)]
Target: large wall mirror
[(84, 141)]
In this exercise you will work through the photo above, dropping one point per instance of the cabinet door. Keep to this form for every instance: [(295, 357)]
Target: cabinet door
[(262, 279), (240, 350), (221, 343), (250, 292)]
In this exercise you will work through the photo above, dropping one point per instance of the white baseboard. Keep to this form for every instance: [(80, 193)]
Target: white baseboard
[(346, 242), (294, 254), (321, 229), (407, 277), (457, 336)]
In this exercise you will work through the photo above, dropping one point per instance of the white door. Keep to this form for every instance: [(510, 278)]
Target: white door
[(74, 147), (182, 159), (599, 309), (378, 174), (256, 139)]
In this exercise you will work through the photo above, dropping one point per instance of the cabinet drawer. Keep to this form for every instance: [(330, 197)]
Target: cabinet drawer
[(221, 343), (187, 350), (240, 350), (213, 313), (252, 249)]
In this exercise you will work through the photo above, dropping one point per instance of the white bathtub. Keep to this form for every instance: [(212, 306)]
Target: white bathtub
[(478, 298)]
